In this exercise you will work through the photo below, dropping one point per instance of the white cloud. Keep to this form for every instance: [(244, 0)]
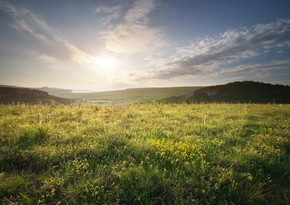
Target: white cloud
[(138, 13), (134, 35), (22, 18), (78, 55), (47, 58), (258, 69), (110, 13), (27, 21), (133, 38), (107, 10), (231, 46)]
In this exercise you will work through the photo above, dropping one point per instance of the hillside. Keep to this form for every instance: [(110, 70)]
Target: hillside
[(129, 95), (24, 95), (54, 91), (237, 92)]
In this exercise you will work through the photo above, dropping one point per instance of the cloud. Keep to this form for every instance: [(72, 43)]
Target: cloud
[(47, 58), (210, 53), (27, 21), (21, 18), (78, 55), (138, 13), (133, 34), (110, 13), (259, 69), (108, 10)]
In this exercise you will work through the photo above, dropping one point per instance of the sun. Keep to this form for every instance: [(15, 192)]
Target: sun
[(106, 63)]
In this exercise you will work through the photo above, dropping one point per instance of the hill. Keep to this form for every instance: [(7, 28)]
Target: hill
[(26, 95), (237, 92), (129, 95), (54, 91)]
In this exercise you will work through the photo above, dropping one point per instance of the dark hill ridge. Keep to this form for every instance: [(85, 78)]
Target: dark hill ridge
[(31, 96), (238, 92)]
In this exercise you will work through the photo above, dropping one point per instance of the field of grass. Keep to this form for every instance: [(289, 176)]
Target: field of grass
[(145, 154)]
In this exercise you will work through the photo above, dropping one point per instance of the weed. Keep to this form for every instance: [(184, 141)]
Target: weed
[(145, 154)]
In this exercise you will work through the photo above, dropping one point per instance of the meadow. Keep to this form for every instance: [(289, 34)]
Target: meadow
[(145, 154)]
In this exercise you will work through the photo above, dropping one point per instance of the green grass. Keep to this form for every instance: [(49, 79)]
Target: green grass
[(145, 154)]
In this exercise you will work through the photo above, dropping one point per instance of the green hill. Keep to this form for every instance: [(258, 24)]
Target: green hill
[(129, 95), (237, 92), (15, 95)]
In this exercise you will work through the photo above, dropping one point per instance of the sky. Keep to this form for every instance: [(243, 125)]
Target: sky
[(101, 45)]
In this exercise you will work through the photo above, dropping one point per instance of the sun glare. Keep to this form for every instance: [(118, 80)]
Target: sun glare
[(106, 63)]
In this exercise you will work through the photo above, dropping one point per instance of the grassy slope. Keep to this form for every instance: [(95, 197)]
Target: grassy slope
[(236, 92), (145, 154), (130, 95), (11, 95)]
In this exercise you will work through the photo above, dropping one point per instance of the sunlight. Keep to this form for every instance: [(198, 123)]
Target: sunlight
[(106, 63)]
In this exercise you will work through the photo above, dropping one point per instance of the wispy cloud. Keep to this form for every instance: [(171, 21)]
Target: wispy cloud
[(258, 69), (110, 13), (23, 19), (231, 46), (139, 11), (27, 21), (78, 55), (134, 34), (47, 58)]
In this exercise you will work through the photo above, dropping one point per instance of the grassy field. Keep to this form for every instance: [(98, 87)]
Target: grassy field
[(145, 154)]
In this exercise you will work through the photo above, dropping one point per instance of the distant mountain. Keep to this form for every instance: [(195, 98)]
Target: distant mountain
[(55, 91), (237, 92), (16, 95), (131, 95)]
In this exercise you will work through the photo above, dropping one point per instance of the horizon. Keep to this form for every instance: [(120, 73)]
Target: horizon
[(100, 46), (76, 91)]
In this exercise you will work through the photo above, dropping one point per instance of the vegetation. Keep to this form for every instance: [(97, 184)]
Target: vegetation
[(128, 95), (236, 92), (145, 154), (17, 95)]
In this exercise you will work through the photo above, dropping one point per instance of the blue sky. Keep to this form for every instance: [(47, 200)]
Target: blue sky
[(116, 44)]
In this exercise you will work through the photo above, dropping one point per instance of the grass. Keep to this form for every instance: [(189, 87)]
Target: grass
[(145, 154)]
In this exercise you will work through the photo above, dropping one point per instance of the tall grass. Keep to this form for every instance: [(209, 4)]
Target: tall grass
[(145, 154)]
